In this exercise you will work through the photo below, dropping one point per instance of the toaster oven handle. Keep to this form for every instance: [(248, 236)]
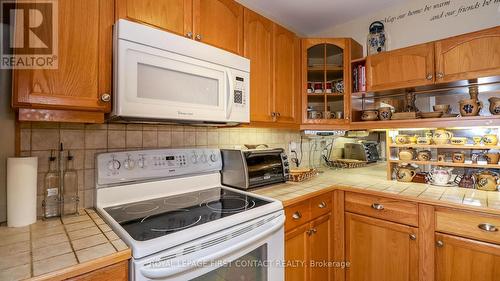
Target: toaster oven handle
[(165, 272), (230, 91)]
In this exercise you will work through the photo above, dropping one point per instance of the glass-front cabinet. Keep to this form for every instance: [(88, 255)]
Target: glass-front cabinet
[(325, 79)]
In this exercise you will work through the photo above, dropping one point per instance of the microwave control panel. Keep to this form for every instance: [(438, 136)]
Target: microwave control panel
[(239, 91)]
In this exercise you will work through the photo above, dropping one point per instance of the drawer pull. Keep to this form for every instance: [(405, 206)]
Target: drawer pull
[(439, 244), (296, 216), (377, 206), (413, 236), (487, 227), (314, 230), (322, 205)]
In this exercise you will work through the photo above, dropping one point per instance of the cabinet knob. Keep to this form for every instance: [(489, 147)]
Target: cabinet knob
[(309, 232), (296, 216), (413, 236), (429, 76), (377, 206), (189, 35), (322, 205), (106, 97), (198, 37), (439, 75), (487, 227), (273, 114), (278, 114), (314, 230), (439, 244)]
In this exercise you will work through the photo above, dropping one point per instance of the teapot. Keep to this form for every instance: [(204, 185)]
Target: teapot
[(401, 139), (442, 136), (465, 181), (441, 176), (486, 180), (490, 139), (405, 173)]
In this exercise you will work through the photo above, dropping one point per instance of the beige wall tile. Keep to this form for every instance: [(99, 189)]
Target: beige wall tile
[(150, 139), (89, 179), (134, 139), (25, 139), (116, 139), (164, 138), (212, 137), (74, 126), (95, 139), (189, 138), (72, 139), (44, 139), (201, 138), (178, 139), (115, 126), (89, 198)]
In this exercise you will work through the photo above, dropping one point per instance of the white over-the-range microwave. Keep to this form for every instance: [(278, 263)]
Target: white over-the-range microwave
[(162, 77)]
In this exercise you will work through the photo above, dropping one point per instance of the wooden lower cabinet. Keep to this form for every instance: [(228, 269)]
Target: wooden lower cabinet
[(380, 250), (461, 259), (308, 250)]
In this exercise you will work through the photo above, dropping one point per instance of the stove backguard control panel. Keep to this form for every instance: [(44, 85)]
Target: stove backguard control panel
[(132, 166)]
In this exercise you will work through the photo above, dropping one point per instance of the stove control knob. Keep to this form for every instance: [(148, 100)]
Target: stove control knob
[(203, 158), (114, 165), (213, 157), (194, 159), (129, 164), (141, 162)]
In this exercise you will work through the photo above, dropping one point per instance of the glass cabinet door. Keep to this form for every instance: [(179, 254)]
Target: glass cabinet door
[(325, 83)]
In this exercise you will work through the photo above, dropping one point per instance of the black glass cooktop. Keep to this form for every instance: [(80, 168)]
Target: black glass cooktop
[(153, 218)]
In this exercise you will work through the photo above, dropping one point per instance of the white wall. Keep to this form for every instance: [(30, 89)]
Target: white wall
[(418, 28)]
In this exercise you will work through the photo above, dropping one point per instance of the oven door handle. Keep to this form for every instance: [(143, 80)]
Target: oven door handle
[(165, 272)]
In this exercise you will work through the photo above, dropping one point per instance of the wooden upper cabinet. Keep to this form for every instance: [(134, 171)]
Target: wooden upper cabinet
[(468, 56), (380, 250), (258, 47), (461, 259), (84, 63), (402, 68), (172, 15), (219, 23), (286, 98)]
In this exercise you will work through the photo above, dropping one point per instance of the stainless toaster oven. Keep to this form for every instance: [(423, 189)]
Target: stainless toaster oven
[(246, 169)]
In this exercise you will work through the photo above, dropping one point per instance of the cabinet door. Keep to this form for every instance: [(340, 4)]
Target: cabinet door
[(468, 56), (296, 253), (84, 62), (380, 250), (219, 23), (285, 85), (172, 15), (407, 67), (258, 47), (321, 249), (461, 259)]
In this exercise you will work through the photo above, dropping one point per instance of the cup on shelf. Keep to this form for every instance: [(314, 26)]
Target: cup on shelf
[(458, 157), (445, 108), (441, 158), (492, 157), (385, 113), (477, 140), (339, 115)]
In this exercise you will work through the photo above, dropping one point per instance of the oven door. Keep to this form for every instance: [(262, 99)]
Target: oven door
[(264, 167), (250, 251), (157, 84)]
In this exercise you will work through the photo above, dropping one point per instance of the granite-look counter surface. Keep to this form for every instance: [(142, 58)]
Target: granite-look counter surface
[(372, 179), (59, 248)]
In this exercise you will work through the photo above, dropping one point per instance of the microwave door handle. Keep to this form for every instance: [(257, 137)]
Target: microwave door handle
[(230, 90), (166, 272)]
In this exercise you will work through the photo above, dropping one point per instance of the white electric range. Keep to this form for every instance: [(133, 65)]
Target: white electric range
[(169, 206)]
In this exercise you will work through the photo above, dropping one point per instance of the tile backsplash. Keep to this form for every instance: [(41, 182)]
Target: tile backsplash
[(85, 140)]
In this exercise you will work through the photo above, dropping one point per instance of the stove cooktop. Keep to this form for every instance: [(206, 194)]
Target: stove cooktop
[(153, 218)]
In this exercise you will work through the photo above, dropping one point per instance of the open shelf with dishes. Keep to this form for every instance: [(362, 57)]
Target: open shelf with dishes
[(464, 157), (463, 104)]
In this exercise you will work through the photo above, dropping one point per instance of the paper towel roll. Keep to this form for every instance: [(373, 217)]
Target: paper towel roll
[(21, 190)]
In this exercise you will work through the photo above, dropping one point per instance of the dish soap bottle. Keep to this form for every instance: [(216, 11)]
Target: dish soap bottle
[(50, 204), (70, 193)]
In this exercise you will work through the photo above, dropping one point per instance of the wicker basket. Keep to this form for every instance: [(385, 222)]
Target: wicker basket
[(349, 163), (302, 175)]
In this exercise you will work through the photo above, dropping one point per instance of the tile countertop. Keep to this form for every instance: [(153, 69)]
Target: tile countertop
[(59, 248), (372, 179)]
